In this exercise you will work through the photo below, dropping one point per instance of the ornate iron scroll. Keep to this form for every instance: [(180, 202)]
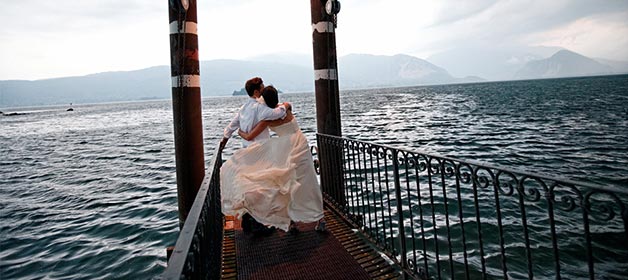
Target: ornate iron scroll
[(442, 217)]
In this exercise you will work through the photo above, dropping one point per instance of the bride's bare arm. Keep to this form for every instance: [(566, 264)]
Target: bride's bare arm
[(261, 126)]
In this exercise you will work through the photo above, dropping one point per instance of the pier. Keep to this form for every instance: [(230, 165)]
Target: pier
[(419, 216), (392, 213)]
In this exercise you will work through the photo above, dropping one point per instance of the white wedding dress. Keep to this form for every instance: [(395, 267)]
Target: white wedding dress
[(274, 181)]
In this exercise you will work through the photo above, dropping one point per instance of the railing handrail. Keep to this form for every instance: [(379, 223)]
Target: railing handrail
[(494, 166), (434, 214), (177, 261)]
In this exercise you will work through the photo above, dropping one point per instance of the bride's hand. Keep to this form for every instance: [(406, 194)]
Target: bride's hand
[(278, 122)]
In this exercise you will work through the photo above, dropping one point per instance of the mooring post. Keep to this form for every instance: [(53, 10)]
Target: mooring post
[(186, 103), (327, 93)]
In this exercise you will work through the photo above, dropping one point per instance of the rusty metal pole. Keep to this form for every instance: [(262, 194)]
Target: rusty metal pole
[(327, 94), (186, 103)]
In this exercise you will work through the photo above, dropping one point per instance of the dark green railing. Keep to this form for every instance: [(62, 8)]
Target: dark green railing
[(197, 253), (442, 218)]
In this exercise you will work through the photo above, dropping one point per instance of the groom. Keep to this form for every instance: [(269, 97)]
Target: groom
[(252, 112)]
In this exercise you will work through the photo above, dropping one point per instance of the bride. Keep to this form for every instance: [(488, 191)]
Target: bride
[(275, 181)]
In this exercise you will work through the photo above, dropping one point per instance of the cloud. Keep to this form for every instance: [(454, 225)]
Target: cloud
[(254, 27), (57, 38), (508, 23), (596, 36), (62, 38), (382, 27), (37, 17), (453, 11)]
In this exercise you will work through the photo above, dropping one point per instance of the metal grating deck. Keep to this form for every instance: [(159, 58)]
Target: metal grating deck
[(339, 253)]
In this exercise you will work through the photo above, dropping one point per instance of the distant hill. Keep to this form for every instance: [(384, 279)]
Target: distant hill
[(489, 62), (363, 70), (563, 63), (242, 92), (293, 73), (299, 59), (149, 83), (218, 77), (620, 67), (221, 77)]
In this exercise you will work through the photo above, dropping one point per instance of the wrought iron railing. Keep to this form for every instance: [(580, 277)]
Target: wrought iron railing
[(440, 217), (197, 253)]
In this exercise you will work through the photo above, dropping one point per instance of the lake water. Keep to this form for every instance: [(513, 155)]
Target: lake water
[(91, 194)]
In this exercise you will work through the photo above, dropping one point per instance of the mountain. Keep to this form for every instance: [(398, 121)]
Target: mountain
[(563, 63), (364, 70), (299, 59), (242, 92), (218, 77), (619, 67), (221, 77), (489, 62), (149, 83)]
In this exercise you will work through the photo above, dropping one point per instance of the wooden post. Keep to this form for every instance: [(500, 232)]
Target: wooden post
[(327, 95), (186, 103)]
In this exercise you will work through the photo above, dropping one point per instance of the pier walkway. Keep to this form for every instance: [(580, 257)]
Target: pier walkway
[(395, 214), (339, 253)]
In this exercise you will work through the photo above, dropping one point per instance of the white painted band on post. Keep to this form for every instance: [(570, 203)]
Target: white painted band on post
[(323, 27), (187, 81), (190, 27), (325, 74)]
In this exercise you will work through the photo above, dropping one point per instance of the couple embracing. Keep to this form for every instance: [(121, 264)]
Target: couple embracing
[(271, 180)]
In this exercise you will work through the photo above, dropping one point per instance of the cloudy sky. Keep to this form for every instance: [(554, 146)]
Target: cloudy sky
[(45, 39)]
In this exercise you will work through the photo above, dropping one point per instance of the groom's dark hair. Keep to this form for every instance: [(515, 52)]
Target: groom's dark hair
[(252, 84), (270, 96)]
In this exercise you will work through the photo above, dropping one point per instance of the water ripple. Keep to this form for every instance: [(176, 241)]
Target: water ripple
[(91, 194)]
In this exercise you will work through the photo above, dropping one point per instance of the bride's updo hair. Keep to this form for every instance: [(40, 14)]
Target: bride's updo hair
[(270, 96)]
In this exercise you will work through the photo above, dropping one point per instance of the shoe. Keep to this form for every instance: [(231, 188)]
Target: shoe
[(255, 225), (321, 226), (246, 222), (293, 230)]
